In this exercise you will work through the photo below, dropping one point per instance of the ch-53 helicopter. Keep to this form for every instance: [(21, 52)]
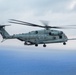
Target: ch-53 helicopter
[(45, 36)]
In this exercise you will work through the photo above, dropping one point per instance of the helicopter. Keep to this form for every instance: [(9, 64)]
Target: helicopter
[(45, 36)]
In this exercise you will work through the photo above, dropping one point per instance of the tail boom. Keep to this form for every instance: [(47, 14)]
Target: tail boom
[(3, 32)]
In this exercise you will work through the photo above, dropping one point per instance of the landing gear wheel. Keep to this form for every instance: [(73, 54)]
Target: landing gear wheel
[(36, 45), (25, 43), (64, 43), (44, 45)]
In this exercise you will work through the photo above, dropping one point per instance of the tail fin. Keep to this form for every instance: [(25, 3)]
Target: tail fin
[(3, 32)]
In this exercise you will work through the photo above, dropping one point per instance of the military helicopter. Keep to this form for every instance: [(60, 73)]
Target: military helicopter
[(45, 36)]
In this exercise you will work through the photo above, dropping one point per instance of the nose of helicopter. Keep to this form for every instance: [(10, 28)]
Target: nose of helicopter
[(65, 38)]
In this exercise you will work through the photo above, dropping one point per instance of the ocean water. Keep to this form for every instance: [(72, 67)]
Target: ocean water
[(36, 61)]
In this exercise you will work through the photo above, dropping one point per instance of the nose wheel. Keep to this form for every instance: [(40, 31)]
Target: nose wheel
[(36, 45), (44, 45), (64, 43)]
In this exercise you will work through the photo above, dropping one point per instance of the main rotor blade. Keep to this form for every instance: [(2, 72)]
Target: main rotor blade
[(31, 24), (35, 25), (13, 20), (72, 25), (24, 23)]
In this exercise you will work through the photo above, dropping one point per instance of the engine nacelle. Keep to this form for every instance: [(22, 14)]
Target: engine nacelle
[(55, 33)]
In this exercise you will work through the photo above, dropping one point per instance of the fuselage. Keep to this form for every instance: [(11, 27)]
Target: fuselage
[(42, 37)]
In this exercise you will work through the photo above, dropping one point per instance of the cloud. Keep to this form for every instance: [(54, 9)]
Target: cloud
[(37, 6), (72, 5), (23, 8)]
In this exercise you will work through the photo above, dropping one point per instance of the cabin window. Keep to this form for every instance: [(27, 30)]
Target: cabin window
[(49, 33), (54, 38), (60, 36), (61, 32), (36, 32)]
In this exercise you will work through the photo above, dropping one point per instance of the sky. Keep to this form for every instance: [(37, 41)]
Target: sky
[(57, 12)]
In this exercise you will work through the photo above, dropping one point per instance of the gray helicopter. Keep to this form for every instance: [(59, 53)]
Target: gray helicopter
[(45, 36)]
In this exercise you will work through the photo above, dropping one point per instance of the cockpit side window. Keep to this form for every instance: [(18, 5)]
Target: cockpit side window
[(60, 35), (61, 32), (36, 32), (49, 33)]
